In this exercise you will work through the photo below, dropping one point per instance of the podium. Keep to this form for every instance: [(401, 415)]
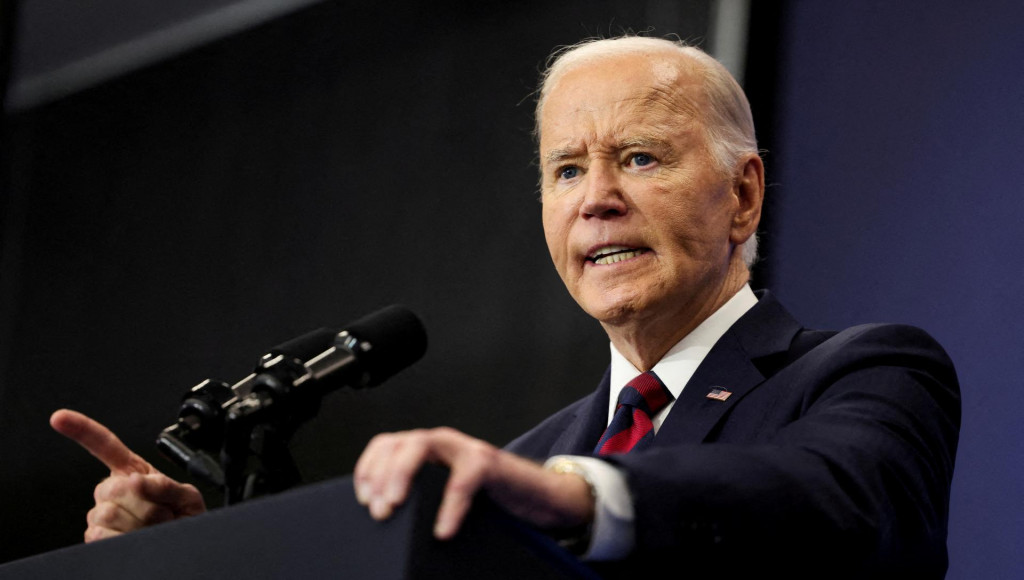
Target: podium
[(318, 531)]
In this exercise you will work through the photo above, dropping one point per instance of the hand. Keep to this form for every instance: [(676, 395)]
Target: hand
[(390, 461), (136, 494)]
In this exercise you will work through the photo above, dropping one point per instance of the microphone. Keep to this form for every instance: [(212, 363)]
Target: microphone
[(289, 381), (368, 352), (388, 341)]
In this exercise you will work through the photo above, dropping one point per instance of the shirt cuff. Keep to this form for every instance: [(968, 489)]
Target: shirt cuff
[(612, 535)]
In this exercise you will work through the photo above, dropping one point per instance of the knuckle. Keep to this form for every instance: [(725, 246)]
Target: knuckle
[(414, 439), (156, 483), (113, 487), (444, 431), (134, 484), (381, 445), (191, 492), (404, 438), (103, 489), (92, 515), (103, 514), (482, 449), (481, 454), (384, 439)]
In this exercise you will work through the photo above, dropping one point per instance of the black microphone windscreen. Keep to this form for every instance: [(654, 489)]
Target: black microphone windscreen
[(397, 339)]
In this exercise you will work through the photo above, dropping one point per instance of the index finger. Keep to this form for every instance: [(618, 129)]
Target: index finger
[(99, 441)]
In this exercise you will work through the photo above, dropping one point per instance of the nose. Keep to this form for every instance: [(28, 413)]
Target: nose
[(603, 195)]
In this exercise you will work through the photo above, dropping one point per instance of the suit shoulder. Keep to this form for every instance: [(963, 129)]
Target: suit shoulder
[(893, 348), (886, 343)]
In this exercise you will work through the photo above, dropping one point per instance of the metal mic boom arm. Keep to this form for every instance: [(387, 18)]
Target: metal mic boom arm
[(247, 426)]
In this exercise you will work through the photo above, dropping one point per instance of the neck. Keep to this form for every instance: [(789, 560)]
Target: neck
[(644, 340)]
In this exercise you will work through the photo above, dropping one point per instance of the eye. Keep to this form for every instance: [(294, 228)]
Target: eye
[(568, 172), (641, 159)]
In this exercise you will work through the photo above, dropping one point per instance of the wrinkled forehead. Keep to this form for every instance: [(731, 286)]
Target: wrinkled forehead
[(621, 90)]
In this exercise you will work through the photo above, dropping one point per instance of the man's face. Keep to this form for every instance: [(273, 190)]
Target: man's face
[(636, 217)]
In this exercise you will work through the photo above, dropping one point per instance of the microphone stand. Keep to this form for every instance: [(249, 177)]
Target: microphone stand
[(255, 456), (237, 436), (247, 427)]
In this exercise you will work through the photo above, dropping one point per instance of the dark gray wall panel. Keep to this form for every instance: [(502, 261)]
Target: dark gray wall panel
[(170, 225)]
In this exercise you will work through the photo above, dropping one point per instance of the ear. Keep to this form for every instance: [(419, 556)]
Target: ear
[(749, 191)]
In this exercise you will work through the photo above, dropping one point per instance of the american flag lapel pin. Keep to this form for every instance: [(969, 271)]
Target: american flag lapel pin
[(719, 394)]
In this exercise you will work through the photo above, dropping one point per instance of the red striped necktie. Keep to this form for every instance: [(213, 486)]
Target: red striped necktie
[(631, 428)]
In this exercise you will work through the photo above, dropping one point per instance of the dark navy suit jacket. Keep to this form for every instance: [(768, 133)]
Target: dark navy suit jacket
[(832, 457)]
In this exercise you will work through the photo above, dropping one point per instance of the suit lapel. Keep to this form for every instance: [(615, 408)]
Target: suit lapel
[(733, 364), (727, 367), (582, 433), (765, 330)]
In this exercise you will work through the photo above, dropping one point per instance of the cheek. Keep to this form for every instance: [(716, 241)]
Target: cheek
[(700, 217), (682, 222), (701, 241)]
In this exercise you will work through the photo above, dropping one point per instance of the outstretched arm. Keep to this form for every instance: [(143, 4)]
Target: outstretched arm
[(136, 494)]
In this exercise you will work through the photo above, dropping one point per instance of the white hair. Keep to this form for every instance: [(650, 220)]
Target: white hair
[(729, 124)]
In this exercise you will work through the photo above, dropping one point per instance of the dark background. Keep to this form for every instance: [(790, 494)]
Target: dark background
[(172, 222)]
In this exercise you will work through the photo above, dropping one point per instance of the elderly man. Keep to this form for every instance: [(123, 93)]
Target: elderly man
[(725, 438)]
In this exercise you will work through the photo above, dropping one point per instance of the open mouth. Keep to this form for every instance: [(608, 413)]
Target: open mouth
[(613, 254)]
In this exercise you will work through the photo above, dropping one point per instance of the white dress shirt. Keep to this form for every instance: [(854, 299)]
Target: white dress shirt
[(612, 534)]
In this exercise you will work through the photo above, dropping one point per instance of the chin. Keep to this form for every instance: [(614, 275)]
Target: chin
[(614, 311)]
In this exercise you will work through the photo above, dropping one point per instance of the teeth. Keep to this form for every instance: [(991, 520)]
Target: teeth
[(613, 254), (609, 250), (617, 257)]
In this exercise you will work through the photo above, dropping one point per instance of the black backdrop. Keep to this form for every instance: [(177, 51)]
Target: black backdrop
[(171, 224)]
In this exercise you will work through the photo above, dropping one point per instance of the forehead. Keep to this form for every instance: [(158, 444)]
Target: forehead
[(612, 96)]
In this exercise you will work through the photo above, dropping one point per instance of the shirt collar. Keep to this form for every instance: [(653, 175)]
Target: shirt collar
[(681, 361)]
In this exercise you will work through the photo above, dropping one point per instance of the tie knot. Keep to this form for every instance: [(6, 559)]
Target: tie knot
[(646, 392)]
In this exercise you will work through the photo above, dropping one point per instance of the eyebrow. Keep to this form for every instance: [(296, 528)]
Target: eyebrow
[(639, 141), (558, 155)]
